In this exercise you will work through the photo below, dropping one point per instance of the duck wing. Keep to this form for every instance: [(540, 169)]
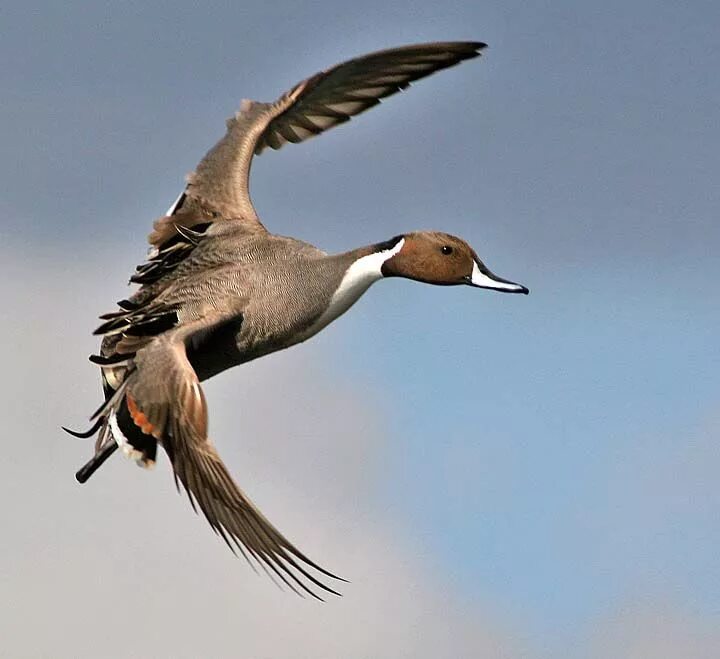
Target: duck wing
[(165, 402), (219, 186), (331, 97)]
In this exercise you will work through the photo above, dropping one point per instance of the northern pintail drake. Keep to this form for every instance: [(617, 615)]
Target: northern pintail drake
[(219, 290)]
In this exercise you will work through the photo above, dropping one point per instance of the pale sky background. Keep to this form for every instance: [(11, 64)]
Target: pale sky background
[(498, 476)]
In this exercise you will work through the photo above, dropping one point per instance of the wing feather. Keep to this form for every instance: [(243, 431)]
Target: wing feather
[(166, 392), (220, 185), (358, 84)]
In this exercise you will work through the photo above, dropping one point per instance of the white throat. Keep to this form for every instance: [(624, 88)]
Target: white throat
[(357, 279)]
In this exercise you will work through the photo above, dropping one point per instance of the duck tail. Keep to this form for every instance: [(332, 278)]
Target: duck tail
[(94, 463), (115, 429)]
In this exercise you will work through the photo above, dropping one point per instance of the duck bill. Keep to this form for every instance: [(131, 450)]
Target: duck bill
[(482, 278)]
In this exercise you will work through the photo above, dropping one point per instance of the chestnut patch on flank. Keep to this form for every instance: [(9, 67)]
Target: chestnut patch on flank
[(138, 417)]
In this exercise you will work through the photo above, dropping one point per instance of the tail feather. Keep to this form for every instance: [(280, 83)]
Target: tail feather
[(115, 428), (85, 434), (92, 465)]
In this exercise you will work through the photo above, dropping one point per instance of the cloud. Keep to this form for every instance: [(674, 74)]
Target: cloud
[(121, 567)]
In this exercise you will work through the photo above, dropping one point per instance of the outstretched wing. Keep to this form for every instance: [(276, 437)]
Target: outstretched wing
[(220, 183), (331, 97), (165, 401)]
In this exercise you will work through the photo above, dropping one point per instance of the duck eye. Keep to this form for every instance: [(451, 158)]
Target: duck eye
[(446, 249)]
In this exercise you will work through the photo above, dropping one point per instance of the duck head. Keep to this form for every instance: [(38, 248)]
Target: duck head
[(439, 258)]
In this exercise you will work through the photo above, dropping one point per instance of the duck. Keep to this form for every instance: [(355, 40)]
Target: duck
[(218, 290)]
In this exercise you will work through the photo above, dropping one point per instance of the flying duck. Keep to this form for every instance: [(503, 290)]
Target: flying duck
[(219, 290)]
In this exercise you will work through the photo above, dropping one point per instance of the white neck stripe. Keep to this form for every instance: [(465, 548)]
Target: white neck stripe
[(360, 275), (172, 208), (357, 279)]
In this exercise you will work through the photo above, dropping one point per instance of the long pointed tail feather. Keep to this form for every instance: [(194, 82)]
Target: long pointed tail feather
[(92, 465), (86, 434)]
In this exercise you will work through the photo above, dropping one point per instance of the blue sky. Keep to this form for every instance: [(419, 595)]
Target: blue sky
[(551, 460)]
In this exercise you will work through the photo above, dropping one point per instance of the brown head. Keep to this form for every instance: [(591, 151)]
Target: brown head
[(439, 258)]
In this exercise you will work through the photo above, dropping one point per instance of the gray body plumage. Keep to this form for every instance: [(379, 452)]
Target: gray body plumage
[(267, 290)]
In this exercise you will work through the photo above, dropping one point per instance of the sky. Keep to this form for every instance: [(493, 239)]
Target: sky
[(499, 476)]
